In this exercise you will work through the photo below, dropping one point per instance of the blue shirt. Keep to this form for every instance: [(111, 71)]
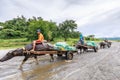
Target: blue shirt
[(81, 37)]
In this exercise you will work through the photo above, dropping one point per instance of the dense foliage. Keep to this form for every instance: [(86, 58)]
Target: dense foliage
[(21, 27), (66, 28)]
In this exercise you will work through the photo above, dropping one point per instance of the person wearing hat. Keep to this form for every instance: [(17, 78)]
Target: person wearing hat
[(39, 40)]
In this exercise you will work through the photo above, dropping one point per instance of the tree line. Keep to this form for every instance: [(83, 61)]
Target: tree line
[(22, 27)]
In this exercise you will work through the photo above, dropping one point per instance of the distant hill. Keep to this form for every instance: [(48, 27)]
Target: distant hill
[(112, 38)]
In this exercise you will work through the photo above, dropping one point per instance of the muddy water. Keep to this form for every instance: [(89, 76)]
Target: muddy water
[(104, 65), (45, 69)]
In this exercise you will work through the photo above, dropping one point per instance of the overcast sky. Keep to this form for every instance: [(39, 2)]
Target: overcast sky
[(99, 17)]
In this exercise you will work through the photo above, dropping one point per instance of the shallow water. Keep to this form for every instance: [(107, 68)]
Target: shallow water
[(103, 65)]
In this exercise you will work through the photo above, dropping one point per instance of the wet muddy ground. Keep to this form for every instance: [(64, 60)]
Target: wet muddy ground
[(103, 65)]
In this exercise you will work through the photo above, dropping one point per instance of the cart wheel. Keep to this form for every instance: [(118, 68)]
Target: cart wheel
[(59, 55), (69, 55), (95, 49)]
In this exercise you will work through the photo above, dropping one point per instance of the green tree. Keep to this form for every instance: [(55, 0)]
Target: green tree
[(47, 28), (66, 28), (17, 24), (10, 33), (91, 37), (21, 27), (75, 34)]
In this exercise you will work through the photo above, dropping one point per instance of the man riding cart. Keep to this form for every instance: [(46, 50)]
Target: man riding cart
[(85, 46)]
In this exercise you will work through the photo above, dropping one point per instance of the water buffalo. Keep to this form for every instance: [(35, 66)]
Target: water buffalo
[(81, 48), (109, 44), (105, 44), (102, 44), (87, 46), (20, 52)]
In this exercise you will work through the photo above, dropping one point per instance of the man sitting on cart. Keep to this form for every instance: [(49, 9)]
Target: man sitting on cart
[(39, 40), (81, 39)]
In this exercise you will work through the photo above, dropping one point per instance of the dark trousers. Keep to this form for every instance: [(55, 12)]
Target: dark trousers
[(82, 42)]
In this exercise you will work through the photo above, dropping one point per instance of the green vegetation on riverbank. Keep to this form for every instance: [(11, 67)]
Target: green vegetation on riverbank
[(13, 43), (19, 43), (21, 31)]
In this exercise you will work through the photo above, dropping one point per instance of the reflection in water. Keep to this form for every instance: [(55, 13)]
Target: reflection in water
[(44, 72)]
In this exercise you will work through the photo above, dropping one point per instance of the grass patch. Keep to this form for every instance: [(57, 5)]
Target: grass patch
[(13, 43)]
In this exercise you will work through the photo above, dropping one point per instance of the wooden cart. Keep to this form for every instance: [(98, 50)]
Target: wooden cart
[(68, 54), (86, 47)]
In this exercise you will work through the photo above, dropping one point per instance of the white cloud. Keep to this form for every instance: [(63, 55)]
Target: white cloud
[(85, 12)]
